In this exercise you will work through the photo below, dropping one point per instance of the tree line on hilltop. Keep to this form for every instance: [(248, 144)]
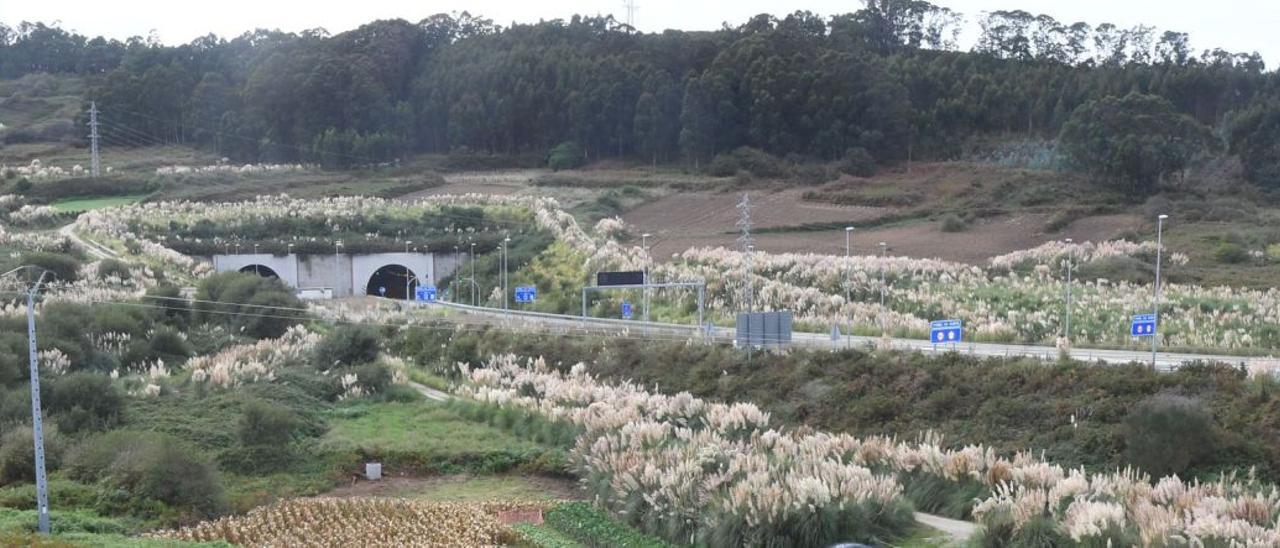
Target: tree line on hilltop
[(886, 84)]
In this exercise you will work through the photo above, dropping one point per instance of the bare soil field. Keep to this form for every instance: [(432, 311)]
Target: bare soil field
[(496, 182), (983, 240), (683, 220), (463, 487)]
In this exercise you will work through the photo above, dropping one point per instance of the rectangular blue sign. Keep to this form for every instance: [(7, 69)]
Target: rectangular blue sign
[(526, 294), (945, 331), (1143, 325), (626, 310), (426, 293)]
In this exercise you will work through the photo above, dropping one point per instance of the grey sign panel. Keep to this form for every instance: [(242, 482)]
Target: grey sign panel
[(764, 328), (627, 277)]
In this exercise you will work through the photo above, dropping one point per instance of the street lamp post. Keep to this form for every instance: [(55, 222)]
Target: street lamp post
[(884, 249), (337, 260), (644, 244), (505, 243), (472, 259), (1155, 301), (848, 231), (1066, 329)]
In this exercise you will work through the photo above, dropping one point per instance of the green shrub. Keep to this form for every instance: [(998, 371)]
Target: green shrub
[(251, 305), (1117, 269), (113, 267), (566, 155), (953, 223), (84, 401), (150, 466), (858, 162), (62, 267), (348, 345), (583, 523), (1167, 434), (544, 537), (18, 453), (753, 161), (264, 424), (375, 378), (169, 345), (176, 312), (1230, 253)]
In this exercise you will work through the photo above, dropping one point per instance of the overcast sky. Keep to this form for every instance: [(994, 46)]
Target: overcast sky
[(1235, 25)]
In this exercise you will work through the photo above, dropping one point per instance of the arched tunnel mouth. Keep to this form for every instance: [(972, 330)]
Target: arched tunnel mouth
[(261, 270), (392, 281)]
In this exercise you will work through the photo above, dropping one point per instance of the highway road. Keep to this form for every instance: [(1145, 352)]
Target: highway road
[(561, 323)]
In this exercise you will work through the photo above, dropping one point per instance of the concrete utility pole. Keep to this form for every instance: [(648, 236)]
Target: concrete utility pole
[(472, 259), (37, 415), (1155, 300), (93, 139)]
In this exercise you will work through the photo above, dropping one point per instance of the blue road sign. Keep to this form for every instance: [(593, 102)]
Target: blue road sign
[(426, 293), (945, 331), (526, 294), (626, 310), (1143, 325)]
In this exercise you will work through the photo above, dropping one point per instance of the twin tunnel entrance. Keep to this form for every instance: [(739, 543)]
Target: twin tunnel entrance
[(392, 281)]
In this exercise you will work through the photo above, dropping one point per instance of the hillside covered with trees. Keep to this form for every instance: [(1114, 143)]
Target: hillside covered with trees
[(885, 84)]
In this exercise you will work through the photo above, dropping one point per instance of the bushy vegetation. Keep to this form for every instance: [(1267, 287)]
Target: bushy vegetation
[(1167, 434), (18, 454), (348, 346), (253, 305), (1075, 413), (144, 465), (588, 525), (1135, 140)]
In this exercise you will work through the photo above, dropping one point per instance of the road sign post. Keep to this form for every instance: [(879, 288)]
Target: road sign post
[(426, 293), (1142, 325), (526, 294), (946, 332)]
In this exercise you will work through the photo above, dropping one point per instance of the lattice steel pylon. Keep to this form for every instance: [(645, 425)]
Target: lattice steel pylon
[(746, 297)]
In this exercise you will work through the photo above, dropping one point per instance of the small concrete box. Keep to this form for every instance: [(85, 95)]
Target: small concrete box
[(373, 470)]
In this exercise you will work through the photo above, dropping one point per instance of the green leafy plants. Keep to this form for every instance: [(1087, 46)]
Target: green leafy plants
[(584, 523)]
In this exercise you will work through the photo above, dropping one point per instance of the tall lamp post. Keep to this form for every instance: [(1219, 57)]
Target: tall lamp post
[(848, 231), (505, 243), (37, 416), (337, 260), (1066, 329), (1155, 301), (884, 251), (644, 244), (472, 259)]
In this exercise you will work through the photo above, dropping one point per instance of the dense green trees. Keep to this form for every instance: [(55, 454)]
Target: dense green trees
[(1135, 140), (886, 79)]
